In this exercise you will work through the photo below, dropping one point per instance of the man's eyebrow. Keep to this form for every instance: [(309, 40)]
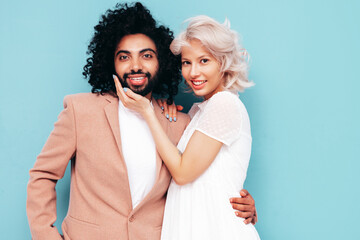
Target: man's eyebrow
[(142, 51), (122, 51), (148, 49)]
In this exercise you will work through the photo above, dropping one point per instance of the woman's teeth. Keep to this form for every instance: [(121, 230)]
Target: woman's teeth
[(197, 83)]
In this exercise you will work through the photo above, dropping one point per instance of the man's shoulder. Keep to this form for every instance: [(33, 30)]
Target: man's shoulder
[(182, 120), (89, 98), (182, 117), (177, 128)]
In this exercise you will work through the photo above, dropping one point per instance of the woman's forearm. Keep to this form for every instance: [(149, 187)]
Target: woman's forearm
[(169, 153), (200, 152)]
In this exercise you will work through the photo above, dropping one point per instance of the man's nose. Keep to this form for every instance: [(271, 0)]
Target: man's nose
[(136, 64)]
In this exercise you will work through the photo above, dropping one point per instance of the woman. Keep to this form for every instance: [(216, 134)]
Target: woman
[(216, 145)]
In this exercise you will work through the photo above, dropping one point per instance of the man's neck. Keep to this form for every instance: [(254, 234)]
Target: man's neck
[(148, 96)]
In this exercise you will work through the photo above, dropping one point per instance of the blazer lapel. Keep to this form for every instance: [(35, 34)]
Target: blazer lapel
[(112, 111), (112, 115), (165, 124)]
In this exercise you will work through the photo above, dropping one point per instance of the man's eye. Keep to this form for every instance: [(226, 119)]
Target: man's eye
[(204, 60), (124, 57), (148, 55)]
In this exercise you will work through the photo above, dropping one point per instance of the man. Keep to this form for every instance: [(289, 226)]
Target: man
[(118, 181)]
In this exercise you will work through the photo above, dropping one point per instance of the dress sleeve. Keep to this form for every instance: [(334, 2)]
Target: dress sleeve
[(221, 118)]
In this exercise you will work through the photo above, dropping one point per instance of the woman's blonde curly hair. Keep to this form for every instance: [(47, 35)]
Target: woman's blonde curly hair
[(222, 43)]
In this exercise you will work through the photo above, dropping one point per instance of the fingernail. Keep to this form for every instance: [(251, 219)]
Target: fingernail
[(114, 76), (231, 200), (167, 115), (125, 89), (236, 213), (170, 119), (174, 119), (162, 108)]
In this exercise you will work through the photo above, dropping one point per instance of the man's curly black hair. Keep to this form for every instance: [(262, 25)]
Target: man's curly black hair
[(114, 25)]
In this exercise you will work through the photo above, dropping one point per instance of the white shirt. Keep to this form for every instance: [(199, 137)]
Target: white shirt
[(139, 153)]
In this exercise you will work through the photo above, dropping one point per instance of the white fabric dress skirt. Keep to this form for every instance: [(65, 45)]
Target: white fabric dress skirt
[(201, 209)]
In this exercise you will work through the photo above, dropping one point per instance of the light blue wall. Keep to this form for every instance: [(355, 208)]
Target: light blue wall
[(304, 109)]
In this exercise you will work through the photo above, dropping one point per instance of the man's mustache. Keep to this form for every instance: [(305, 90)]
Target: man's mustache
[(147, 74)]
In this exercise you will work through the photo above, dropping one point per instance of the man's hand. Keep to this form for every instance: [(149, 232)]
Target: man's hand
[(245, 206)]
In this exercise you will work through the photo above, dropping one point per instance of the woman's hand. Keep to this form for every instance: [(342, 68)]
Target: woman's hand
[(169, 111), (132, 100)]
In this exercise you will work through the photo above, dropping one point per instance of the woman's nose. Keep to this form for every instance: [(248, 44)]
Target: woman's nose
[(194, 71)]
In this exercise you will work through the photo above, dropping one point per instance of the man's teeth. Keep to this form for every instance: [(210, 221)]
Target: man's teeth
[(137, 79), (197, 83)]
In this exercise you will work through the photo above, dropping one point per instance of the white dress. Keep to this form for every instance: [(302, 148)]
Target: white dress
[(201, 209)]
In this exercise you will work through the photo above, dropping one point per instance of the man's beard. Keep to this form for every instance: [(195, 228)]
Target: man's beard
[(142, 90)]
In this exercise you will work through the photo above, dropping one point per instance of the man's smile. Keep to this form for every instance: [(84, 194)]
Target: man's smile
[(137, 80)]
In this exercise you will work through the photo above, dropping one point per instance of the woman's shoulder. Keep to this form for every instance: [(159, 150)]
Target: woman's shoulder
[(226, 99)]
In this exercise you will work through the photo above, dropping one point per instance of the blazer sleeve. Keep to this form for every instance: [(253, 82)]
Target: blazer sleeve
[(49, 167)]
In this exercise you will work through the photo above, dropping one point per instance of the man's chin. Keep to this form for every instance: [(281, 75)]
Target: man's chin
[(136, 89), (141, 90)]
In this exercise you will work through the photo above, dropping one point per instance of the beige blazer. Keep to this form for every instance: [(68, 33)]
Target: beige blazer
[(100, 206)]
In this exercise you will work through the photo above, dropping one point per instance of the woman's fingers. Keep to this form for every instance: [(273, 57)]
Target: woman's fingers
[(119, 90), (116, 82), (172, 112), (125, 95), (159, 101), (169, 111), (132, 95), (166, 110)]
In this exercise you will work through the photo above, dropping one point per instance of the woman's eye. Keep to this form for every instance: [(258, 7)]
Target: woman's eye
[(185, 63), (204, 60)]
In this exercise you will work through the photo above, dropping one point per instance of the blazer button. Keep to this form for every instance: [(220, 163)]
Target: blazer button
[(132, 218)]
